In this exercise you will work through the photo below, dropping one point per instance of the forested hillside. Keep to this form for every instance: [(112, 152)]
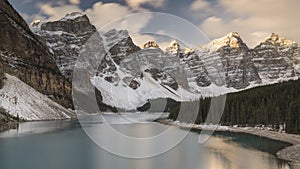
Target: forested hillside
[(274, 105)]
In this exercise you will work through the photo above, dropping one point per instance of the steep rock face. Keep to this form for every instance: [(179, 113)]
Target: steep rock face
[(276, 58), (236, 60), (26, 56), (73, 23), (65, 38), (118, 46)]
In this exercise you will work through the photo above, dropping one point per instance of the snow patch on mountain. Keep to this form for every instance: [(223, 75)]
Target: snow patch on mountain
[(122, 96), (19, 99)]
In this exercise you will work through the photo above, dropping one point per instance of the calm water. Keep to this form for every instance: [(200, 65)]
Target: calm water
[(64, 145)]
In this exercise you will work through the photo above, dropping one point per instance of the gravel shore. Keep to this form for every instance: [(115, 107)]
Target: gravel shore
[(290, 153)]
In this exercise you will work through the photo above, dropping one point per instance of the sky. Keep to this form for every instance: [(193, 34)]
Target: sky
[(253, 20)]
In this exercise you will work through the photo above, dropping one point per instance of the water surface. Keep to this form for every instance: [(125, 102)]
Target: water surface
[(64, 145)]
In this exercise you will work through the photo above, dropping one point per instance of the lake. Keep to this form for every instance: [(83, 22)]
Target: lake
[(65, 145)]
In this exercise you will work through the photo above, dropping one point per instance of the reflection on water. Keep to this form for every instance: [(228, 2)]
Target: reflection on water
[(66, 146), (29, 128)]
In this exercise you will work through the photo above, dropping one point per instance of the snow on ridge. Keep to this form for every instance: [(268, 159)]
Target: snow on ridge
[(122, 96), (232, 39), (19, 99), (72, 16)]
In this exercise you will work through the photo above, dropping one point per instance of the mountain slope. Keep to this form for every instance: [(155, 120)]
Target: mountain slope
[(20, 100)]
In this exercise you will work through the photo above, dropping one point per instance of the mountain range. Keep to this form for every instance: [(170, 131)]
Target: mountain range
[(40, 59)]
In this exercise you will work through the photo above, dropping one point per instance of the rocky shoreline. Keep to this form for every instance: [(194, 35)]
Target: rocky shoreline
[(7, 126), (7, 122), (290, 153)]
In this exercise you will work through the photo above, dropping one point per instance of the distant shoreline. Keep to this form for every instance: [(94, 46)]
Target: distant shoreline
[(290, 153)]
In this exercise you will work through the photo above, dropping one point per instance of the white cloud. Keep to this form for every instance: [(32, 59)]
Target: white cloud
[(74, 2), (138, 3), (101, 14), (57, 12), (199, 5)]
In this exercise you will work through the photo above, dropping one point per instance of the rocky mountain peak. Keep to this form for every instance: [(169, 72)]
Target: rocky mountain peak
[(150, 44), (73, 23), (277, 40), (233, 39), (174, 47), (64, 38)]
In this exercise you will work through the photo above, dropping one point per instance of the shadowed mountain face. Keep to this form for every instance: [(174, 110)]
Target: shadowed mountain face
[(26, 56)]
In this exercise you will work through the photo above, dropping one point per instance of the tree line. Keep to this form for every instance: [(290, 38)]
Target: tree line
[(273, 105)]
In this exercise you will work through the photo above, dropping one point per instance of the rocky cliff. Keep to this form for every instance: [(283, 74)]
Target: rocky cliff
[(277, 59), (26, 56), (65, 38)]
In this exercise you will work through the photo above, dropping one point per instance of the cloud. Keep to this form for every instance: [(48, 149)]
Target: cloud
[(56, 12), (138, 3), (254, 21), (199, 5), (74, 2), (104, 13)]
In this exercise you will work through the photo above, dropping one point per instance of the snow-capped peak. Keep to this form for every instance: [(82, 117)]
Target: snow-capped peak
[(150, 44), (275, 39), (174, 47), (232, 39), (72, 16)]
